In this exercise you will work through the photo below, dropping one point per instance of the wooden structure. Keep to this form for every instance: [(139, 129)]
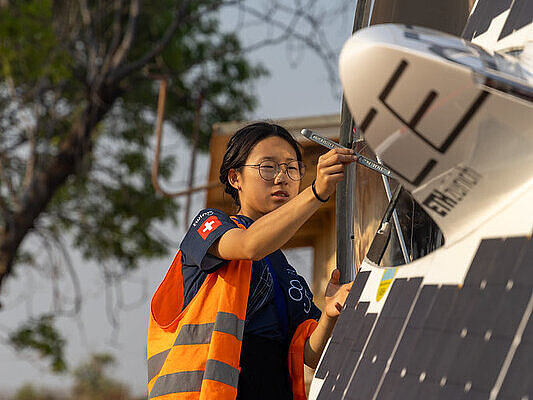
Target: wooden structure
[(319, 231)]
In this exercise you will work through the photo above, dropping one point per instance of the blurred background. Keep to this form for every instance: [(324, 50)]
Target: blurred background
[(85, 239)]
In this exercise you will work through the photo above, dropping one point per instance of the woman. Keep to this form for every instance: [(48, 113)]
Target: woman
[(223, 326)]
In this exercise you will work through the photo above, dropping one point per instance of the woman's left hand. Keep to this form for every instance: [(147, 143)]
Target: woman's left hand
[(335, 295)]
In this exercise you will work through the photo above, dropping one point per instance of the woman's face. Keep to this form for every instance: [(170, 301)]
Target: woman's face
[(258, 196)]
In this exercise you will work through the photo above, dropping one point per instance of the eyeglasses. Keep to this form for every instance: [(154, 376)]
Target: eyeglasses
[(268, 170)]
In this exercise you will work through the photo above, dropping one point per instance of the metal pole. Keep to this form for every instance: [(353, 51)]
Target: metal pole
[(399, 233), (345, 200), (345, 194)]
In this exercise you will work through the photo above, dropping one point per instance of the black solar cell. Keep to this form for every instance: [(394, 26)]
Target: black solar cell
[(413, 330), (491, 357), (465, 360), (428, 390), (357, 289), (346, 323), (353, 346), (486, 252), (511, 311), (503, 267), (407, 387), (343, 358), (452, 343)]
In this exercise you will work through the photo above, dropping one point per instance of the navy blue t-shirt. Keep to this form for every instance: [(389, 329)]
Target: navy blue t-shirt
[(261, 315)]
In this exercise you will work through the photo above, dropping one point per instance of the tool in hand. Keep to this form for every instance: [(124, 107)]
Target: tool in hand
[(330, 144)]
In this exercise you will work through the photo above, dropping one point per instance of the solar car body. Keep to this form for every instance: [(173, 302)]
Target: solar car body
[(453, 118)]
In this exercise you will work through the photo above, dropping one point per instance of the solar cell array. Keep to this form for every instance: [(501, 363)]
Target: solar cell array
[(473, 341), (486, 11)]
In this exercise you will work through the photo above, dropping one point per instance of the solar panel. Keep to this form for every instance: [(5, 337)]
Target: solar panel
[(440, 341)]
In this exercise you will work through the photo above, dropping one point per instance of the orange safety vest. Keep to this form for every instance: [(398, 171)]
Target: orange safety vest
[(195, 353)]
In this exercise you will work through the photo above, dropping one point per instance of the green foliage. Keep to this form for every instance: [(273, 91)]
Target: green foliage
[(30, 392), (29, 47), (91, 380), (41, 336), (26, 392), (47, 74)]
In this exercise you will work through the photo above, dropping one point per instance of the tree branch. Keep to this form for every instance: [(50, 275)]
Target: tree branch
[(122, 51), (7, 183), (73, 277), (116, 28), (141, 300), (179, 17), (30, 166), (120, 73), (109, 280), (87, 20), (320, 47)]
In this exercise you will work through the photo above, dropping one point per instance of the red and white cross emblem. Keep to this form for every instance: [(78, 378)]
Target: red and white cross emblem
[(210, 225)]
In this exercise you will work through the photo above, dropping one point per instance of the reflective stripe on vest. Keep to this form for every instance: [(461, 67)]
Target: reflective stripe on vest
[(191, 381), (198, 334), (201, 333)]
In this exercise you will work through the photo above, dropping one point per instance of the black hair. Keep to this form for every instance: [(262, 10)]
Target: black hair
[(241, 144)]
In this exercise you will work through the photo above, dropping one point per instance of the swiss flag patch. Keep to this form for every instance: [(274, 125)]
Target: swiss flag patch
[(210, 225)]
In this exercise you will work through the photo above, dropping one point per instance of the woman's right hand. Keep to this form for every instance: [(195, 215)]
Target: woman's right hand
[(330, 170)]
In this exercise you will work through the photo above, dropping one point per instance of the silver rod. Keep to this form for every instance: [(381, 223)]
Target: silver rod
[(351, 170), (344, 205), (361, 159), (395, 217), (346, 188)]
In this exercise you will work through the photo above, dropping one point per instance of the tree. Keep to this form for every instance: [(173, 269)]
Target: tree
[(75, 135), (78, 81), (91, 381), (30, 392)]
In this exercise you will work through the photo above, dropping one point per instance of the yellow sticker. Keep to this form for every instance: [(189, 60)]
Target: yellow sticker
[(386, 280)]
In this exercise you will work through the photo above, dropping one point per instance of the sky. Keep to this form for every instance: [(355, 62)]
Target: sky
[(298, 86)]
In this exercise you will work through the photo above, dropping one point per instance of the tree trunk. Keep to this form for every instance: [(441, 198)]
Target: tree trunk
[(46, 182)]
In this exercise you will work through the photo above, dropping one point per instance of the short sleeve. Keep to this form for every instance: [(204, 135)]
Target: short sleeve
[(208, 226)]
